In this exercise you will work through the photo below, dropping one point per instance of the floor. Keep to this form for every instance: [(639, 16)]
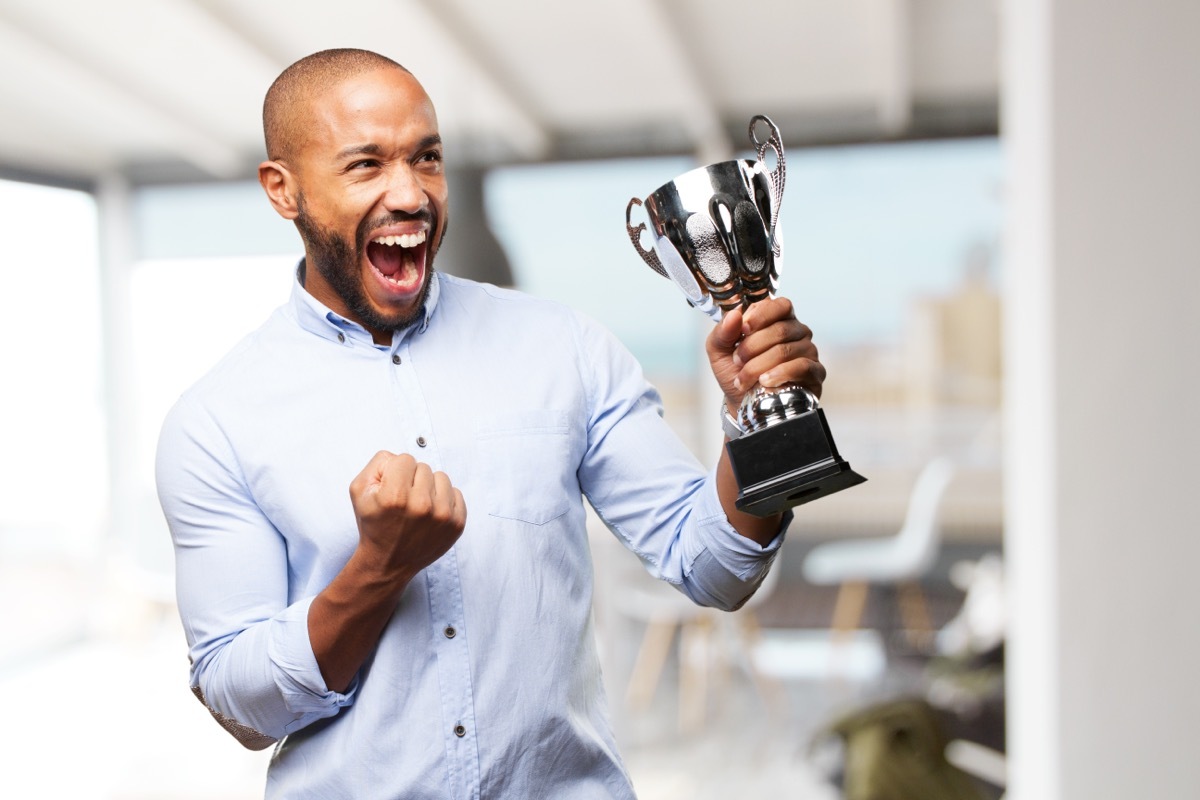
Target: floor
[(102, 712), (112, 720)]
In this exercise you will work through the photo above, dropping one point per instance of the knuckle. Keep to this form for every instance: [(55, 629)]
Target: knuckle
[(419, 507), (444, 517)]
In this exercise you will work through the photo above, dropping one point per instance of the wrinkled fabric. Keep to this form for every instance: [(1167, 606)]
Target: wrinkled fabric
[(486, 681)]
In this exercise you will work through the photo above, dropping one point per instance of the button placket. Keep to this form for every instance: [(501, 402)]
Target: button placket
[(453, 664)]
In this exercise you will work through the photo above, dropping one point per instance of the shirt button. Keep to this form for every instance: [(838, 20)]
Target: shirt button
[(396, 359), (450, 632), (460, 731), (342, 337), (421, 441)]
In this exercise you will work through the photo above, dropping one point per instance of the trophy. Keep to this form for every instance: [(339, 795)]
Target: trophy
[(716, 236)]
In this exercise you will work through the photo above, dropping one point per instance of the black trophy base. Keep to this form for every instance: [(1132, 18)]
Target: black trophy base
[(788, 464)]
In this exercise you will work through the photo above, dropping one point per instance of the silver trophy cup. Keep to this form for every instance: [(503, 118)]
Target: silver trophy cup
[(716, 235)]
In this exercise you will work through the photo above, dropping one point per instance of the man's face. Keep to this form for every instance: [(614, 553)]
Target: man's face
[(371, 199)]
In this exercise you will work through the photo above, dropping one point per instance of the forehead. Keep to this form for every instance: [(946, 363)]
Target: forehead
[(385, 107)]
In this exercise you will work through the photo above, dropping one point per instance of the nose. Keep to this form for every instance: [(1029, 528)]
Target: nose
[(404, 191)]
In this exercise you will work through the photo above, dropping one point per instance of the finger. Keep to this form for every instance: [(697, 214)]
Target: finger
[(767, 350), (370, 475), (460, 511), (807, 372), (767, 312), (396, 479), (778, 360), (443, 495), (782, 332), (421, 487)]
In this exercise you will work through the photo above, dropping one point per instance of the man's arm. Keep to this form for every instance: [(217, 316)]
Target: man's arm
[(649, 489), (764, 344), (408, 517), (263, 666)]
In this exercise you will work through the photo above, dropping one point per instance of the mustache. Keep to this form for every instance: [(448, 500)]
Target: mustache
[(425, 215)]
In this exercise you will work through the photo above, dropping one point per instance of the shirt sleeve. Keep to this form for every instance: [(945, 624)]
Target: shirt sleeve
[(252, 663), (652, 492)]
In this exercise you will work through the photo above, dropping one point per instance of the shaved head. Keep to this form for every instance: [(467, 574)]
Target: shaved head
[(287, 99)]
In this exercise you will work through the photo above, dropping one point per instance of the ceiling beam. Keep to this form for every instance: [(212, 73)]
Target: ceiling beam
[(237, 29), (479, 51), (20, 174), (192, 145), (702, 119)]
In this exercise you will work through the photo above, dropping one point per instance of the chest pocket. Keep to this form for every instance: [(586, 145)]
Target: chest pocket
[(524, 462)]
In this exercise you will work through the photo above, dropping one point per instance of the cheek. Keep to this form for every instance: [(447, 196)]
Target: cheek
[(348, 203), (441, 205)]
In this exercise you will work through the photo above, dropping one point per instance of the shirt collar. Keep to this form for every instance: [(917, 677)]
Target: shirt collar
[(317, 318)]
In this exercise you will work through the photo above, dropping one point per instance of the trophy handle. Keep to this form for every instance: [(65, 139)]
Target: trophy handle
[(635, 236), (778, 177)]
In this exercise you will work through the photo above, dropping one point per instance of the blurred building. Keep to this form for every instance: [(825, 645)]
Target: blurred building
[(952, 352)]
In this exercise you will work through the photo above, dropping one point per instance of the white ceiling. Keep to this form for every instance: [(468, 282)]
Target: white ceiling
[(164, 90)]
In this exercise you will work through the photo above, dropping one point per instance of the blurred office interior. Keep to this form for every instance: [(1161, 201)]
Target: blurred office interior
[(989, 225)]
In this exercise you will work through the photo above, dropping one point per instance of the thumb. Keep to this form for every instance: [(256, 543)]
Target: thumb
[(370, 479), (727, 334), (721, 344)]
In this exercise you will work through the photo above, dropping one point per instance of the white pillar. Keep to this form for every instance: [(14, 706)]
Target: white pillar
[(1101, 126), (114, 214)]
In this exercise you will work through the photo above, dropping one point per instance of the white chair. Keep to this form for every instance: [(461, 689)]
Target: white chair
[(900, 560), (665, 610)]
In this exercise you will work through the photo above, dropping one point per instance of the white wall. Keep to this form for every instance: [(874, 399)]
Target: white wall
[(1102, 128)]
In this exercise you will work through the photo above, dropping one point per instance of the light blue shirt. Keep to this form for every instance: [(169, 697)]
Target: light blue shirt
[(486, 682)]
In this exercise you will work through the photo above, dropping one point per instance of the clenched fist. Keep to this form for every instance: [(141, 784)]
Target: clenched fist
[(764, 344), (408, 515)]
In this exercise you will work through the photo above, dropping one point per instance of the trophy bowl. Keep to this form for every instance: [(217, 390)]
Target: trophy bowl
[(715, 234)]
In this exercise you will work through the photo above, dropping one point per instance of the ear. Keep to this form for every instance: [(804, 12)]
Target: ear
[(281, 187)]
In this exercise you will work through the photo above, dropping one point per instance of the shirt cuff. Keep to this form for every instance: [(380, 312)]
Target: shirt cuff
[(742, 556), (295, 668)]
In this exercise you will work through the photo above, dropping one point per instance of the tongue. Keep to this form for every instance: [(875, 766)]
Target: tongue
[(388, 260)]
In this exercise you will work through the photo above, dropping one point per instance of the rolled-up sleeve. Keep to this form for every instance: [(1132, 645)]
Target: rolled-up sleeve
[(653, 493), (252, 662)]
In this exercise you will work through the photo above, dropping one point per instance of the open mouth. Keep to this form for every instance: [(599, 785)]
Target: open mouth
[(399, 260)]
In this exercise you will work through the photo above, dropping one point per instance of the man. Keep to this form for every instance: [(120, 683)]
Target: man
[(393, 644)]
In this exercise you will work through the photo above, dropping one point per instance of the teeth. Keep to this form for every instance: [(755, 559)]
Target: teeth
[(404, 239)]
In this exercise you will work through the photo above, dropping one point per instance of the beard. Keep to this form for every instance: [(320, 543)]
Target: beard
[(338, 263)]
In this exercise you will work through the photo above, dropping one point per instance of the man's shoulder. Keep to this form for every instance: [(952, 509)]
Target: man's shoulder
[(244, 366), (481, 300)]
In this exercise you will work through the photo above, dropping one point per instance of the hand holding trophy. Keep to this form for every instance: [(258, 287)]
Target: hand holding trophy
[(716, 236)]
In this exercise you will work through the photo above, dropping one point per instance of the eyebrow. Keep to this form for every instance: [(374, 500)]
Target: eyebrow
[(373, 149)]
